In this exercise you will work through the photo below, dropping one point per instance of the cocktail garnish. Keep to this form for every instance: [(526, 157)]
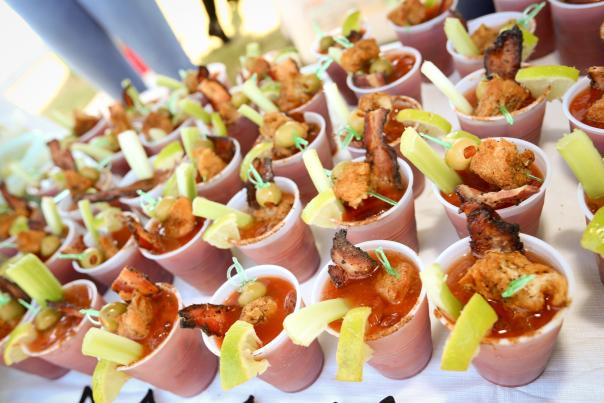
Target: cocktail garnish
[(301, 143), (379, 252), (516, 285), (506, 114), (243, 278), (255, 178), (438, 141)]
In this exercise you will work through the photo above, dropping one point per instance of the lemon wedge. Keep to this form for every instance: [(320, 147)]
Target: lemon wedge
[(324, 210), (222, 232), (593, 237), (107, 381), (306, 324), (428, 122), (352, 350), (539, 79), (22, 334)]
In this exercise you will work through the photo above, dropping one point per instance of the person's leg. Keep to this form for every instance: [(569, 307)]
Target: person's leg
[(142, 27), (214, 27), (471, 9), (70, 31)]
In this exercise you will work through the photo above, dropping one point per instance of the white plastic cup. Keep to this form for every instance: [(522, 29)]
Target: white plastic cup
[(153, 147), (588, 217), (595, 134)]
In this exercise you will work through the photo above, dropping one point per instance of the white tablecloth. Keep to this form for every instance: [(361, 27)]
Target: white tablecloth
[(574, 374)]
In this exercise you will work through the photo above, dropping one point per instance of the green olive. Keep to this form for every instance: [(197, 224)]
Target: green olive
[(92, 257), (311, 83), (238, 99), (356, 121), (90, 173), (455, 156), (110, 314), (49, 245), (250, 292), (163, 208), (268, 195), (11, 311), (286, 134), (46, 318), (381, 66), (325, 43)]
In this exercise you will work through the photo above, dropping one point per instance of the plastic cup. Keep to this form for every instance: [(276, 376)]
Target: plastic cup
[(119, 165), (588, 217), (397, 224), (96, 131), (129, 255), (228, 182), (181, 364), (577, 28), (153, 147), (68, 353), (245, 132), (429, 39), (465, 65), (526, 214), (407, 350), (515, 361), (545, 29), (289, 244), (419, 180), (61, 268), (134, 203), (527, 121), (410, 84), (595, 134), (292, 367), (318, 104), (293, 166), (196, 262)]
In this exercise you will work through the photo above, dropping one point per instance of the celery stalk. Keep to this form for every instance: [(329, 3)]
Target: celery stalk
[(306, 324), (194, 109), (446, 87), (203, 207), (134, 96), (218, 124), (251, 90), (191, 139), (97, 153), (89, 221), (337, 105), (416, 150), (105, 345), (185, 180), (459, 37), (593, 237), (335, 54), (171, 188), (315, 170), (51, 215), (168, 82), (584, 160), (251, 114), (29, 273), (135, 154)]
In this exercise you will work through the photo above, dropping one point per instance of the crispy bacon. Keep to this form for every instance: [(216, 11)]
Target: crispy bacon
[(129, 190), (18, 204), (488, 232), (119, 118), (159, 119), (351, 262), (61, 157), (264, 166), (382, 159), (143, 238), (215, 91), (13, 289), (504, 58), (131, 281), (211, 319), (496, 200), (83, 122), (202, 73), (65, 308), (596, 76)]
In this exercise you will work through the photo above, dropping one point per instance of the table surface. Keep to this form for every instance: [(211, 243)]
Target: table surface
[(574, 373)]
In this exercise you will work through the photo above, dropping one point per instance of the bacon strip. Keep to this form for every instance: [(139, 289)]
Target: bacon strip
[(130, 282), (351, 262), (61, 157), (264, 166), (16, 203), (211, 319), (496, 200), (504, 58), (596, 76)]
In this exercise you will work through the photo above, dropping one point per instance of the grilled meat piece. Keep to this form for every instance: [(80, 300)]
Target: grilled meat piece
[(351, 262), (259, 310), (382, 159), (135, 322), (351, 182), (83, 122), (61, 157), (130, 282), (596, 76), (496, 200), (119, 118), (264, 166), (504, 58), (499, 163), (143, 238), (488, 232), (159, 119), (212, 319), (13, 289), (356, 58), (497, 92), (18, 204), (215, 91), (409, 12)]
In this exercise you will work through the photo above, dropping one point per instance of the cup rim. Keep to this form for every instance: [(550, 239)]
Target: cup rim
[(232, 165), (508, 211), (167, 255), (322, 278), (309, 117), (263, 270), (581, 84), (541, 100), (424, 26), (583, 204), (332, 32), (174, 135), (561, 4), (407, 76), (530, 242), (72, 232)]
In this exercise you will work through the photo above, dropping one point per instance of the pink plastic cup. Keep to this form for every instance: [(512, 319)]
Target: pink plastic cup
[(407, 350), (290, 244), (545, 29), (196, 262), (181, 364), (134, 203), (32, 365), (465, 65), (419, 180), (154, 147), (526, 214), (429, 39), (292, 367), (119, 165), (293, 166), (245, 132), (96, 131), (397, 224), (318, 104), (129, 255), (527, 121), (410, 84), (596, 134), (515, 361), (588, 217), (577, 28), (68, 353), (61, 268)]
